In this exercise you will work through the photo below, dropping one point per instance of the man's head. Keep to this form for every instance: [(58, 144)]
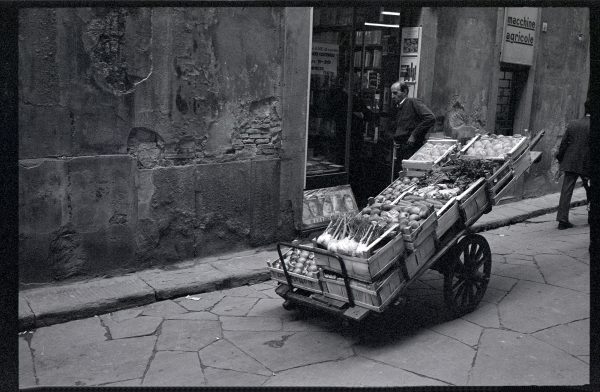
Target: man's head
[(399, 91)]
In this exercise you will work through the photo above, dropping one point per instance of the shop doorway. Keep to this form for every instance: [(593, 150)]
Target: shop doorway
[(355, 59), (511, 87)]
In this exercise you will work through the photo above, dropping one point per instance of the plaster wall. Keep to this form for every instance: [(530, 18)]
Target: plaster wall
[(464, 59), (151, 135), (560, 88)]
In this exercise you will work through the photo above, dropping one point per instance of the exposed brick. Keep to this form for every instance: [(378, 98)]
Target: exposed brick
[(262, 141)]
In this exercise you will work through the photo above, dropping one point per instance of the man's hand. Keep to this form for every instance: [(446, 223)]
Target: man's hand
[(411, 140)]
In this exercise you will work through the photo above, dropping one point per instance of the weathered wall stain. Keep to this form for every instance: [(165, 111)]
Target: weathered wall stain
[(105, 39)]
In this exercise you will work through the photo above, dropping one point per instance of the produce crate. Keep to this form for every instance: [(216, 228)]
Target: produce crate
[(474, 201), (414, 261), (374, 296), (299, 281), (447, 216), (421, 237), (429, 223), (418, 166), (514, 152), (517, 150), (365, 269)]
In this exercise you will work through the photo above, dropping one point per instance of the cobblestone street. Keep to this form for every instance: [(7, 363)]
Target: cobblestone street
[(531, 328)]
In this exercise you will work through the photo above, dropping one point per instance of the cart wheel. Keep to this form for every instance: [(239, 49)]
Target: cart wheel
[(288, 305), (468, 274)]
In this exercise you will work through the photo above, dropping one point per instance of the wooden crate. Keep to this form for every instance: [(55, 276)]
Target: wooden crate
[(366, 269), (374, 296), (517, 150), (514, 152), (447, 216), (429, 222), (299, 281), (418, 167), (414, 261), (474, 201)]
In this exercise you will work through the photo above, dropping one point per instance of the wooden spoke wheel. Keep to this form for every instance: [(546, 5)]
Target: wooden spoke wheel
[(468, 274)]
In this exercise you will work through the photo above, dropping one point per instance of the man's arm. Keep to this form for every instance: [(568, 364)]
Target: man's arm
[(427, 121), (564, 143)]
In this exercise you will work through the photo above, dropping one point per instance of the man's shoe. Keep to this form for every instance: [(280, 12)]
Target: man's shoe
[(564, 225)]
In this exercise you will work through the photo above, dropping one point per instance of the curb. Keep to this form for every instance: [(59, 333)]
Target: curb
[(33, 315)]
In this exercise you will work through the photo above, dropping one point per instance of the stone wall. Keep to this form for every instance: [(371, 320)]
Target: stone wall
[(150, 135)]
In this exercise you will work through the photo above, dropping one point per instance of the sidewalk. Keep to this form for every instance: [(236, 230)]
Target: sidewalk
[(60, 303)]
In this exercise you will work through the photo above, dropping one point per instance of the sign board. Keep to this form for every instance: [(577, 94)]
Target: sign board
[(410, 56), (518, 41), (319, 205), (324, 59)]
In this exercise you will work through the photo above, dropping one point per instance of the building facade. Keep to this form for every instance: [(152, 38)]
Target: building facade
[(153, 135)]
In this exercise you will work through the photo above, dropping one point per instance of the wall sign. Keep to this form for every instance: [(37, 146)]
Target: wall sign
[(324, 58), (518, 41), (410, 57), (319, 205)]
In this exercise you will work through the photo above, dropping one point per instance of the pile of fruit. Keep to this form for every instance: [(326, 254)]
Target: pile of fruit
[(431, 151), (395, 189), (299, 262), (493, 146), (407, 213)]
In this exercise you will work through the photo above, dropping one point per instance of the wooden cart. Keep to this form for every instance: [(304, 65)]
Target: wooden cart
[(463, 257)]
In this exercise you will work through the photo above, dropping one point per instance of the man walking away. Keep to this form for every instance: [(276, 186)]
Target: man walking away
[(574, 158), (413, 119)]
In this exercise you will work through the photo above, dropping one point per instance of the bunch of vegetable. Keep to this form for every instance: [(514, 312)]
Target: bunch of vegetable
[(493, 146), (351, 235), (463, 172)]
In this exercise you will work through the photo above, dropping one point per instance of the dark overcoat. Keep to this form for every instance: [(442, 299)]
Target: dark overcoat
[(574, 151)]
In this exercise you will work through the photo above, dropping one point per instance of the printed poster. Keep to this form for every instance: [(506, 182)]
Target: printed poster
[(319, 205)]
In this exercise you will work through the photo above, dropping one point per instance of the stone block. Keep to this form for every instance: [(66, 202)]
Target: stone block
[(265, 201), (101, 188), (42, 195), (44, 131)]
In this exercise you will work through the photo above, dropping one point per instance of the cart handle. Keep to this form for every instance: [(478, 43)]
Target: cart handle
[(536, 138), (318, 251)]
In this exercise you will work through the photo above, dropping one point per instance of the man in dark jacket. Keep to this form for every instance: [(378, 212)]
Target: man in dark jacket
[(574, 158), (413, 119)]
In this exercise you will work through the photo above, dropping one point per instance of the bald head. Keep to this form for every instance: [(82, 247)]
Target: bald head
[(399, 91)]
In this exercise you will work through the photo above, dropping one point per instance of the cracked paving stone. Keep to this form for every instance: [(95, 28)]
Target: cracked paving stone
[(174, 369), (270, 308), (188, 335), (139, 326), (509, 358), (194, 316), (503, 283), (284, 350), (573, 338), (62, 337), (234, 306), (122, 315), (163, 309), (206, 301), (485, 315), (94, 363), (263, 286), (308, 322), (493, 295), (427, 353), (350, 372), (530, 307), (26, 373), (231, 323), (223, 377), (459, 329), (564, 271), (584, 358), (224, 355), (244, 291), (521, 272)]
